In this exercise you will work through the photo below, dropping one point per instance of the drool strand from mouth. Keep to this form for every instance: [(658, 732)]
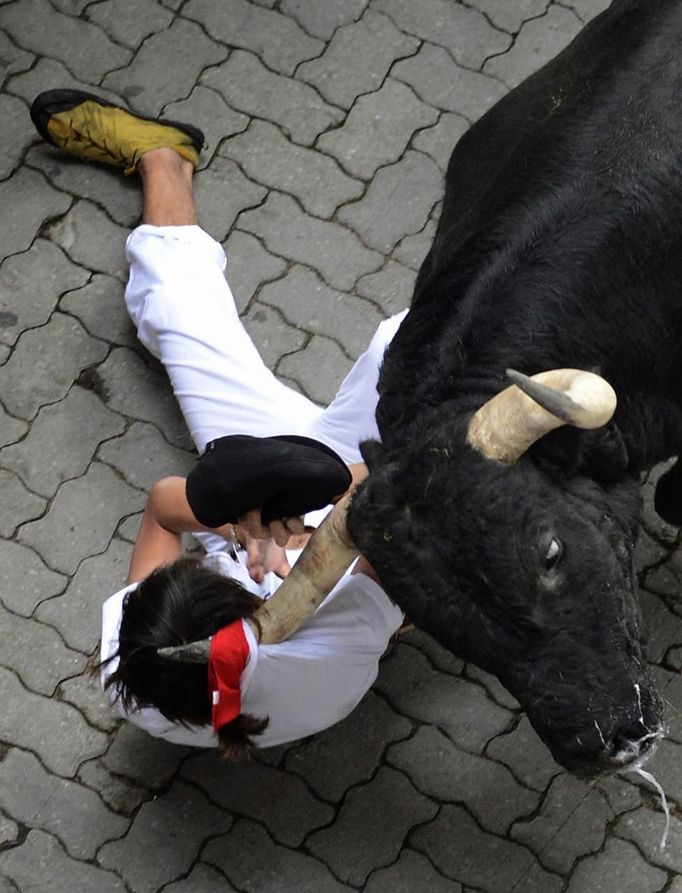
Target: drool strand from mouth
[(647, 776)]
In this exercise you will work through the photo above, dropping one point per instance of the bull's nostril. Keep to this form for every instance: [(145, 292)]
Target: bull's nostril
[(624, 750)]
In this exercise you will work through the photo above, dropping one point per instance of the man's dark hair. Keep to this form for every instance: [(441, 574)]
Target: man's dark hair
[(178, 603)]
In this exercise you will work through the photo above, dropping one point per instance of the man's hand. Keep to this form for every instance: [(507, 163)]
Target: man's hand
[(280, 530)]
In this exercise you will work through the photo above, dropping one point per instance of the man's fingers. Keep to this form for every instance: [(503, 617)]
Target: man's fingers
[(279, 533), (295, 525), (253, 524)]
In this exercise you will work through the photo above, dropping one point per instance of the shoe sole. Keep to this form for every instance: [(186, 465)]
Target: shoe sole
[(52, 102)]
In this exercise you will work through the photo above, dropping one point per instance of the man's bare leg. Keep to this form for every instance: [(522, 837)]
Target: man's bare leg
[(167, 194)]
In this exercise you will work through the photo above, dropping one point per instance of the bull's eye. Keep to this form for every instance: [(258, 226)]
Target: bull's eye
[(554, 553)]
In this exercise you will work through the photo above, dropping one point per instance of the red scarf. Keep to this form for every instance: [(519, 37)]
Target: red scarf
[(229, 654)]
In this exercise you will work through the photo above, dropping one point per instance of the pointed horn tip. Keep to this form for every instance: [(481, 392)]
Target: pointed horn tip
[(189, 652), (592, 396)]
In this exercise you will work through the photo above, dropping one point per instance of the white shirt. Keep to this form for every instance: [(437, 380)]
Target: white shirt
[(305, 684)]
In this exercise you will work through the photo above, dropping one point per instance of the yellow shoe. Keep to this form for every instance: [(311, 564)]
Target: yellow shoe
[(96, 130)]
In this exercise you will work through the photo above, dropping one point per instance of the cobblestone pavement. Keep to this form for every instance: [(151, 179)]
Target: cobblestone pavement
[(329, 124)]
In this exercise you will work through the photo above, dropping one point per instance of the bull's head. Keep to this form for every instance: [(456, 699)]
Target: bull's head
[(521, 567)]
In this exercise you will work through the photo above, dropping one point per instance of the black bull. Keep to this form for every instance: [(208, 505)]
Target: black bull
[(559, 245)]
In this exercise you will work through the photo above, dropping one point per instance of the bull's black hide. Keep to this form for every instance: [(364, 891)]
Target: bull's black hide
[(559, 245)]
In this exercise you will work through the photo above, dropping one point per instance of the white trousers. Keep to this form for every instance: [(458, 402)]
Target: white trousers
[(185, 314)]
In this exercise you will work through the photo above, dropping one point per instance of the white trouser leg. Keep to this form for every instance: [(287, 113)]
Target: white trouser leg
[(185, 314)]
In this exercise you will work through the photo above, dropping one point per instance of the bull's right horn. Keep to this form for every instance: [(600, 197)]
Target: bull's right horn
[(511, 421)]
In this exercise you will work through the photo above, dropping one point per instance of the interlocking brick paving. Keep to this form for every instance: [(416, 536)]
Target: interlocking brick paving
[(328, 127)]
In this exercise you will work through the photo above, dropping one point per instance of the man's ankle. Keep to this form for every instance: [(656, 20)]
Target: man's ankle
[(167, 159)]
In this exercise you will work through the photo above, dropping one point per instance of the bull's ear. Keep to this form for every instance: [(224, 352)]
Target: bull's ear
[(603, 454), (372, 451), (668, 497)]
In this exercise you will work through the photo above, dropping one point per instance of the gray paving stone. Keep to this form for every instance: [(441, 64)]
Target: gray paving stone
[(306, 302), (253, 863), (412, 250), (18, 504), (439, 141), (136, 390), (270, 158), (676, 886), (118, 793), (619, 867), (378, 128), (222, 192), (76, 613), (571, 824), (390, 806), (646, 828), (459, 849), (458, 707), (142, 456), (249, 265), (663, 627), (45, 363), (12, 58), (437, 80), (37, 26), (510, 16), (55, 732), (538, 41), (9, 833), (526, 756), (335, 252), (165, 67), (461, 29), (17, 134), (5, 352), (72, 7), (357, 59), (276, 39), (272, 333), (441, 659), (100, 307), (40, 865), (493, 686), (322, 19), (670, 688), (620, 794), (318, 369), (391, 287), (44, 74), (128, 21), (175, 824), (50, 453), (333, 763), (118, 195), (587, 9), (440, 770), (24, 639), (201, 879), (25, 579), (128, 528), (207, 109), (258, 792), (38, 202), (67, 533), (85, 693), (412, 872), (146, 760), (249, 87), (92, 240), (30, 285), (73, 813)]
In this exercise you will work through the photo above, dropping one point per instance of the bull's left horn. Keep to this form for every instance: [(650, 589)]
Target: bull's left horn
[(509, 423), (323, 562)]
